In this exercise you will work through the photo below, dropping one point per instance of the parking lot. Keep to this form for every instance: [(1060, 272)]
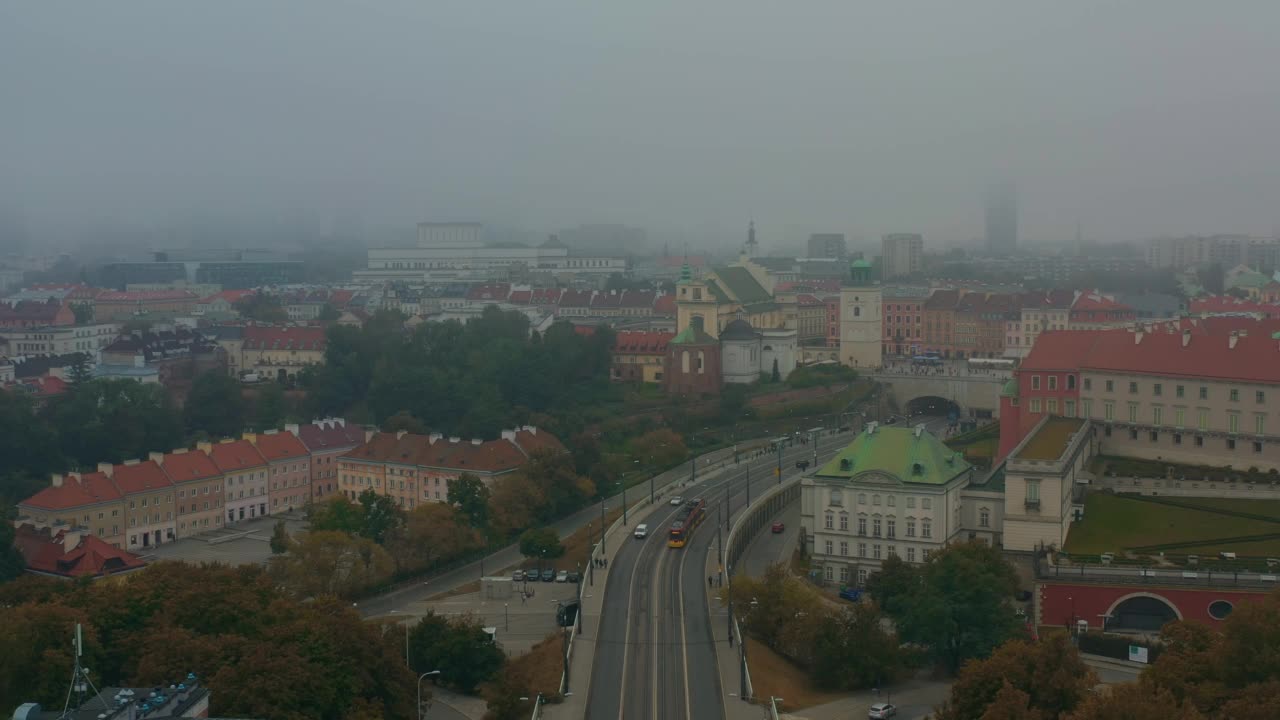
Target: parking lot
[(245, 543)]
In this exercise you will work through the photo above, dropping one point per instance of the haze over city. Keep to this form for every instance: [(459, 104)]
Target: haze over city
[(1131, 119)]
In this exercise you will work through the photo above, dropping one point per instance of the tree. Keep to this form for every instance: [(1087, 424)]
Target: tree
[(562, 487), (215, 405), (961, 610), (29, 446), (659, 449), (79, 373), (270, 408), (433, 534), (336, 514), (775, 376), (853, 650), (279, 538), (541, 543), (514, 504), (894, 584), (114, 420), (1049, 675), (406, 422), (331, 563), (11, 562), (381, 516), (262, 307), (83, 312), (328, 314), (783, 612), (469, 494), (1140, 701), (459, 648)]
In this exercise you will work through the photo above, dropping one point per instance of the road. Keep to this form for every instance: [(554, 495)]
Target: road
[(655, 656)]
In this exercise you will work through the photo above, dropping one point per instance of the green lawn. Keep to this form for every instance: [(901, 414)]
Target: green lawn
[(1112, 523)]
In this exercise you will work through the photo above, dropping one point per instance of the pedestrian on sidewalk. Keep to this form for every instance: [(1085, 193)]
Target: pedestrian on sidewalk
[(710, 581)]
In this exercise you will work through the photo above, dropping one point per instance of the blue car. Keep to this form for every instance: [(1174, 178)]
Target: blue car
[(851, 594)]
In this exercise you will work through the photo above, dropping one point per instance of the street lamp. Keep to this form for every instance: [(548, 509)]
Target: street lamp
[(421, 712)]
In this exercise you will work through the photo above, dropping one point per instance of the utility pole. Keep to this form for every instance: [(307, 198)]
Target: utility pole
[(591, 576), (779, 471), (727, 486), (748, 488), (625, 521), (651, 499), (603, 549)]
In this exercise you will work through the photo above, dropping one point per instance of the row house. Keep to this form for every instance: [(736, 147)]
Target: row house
[(326, 441), (281, 351), (640, 355), (1038, 312), (939, 322), (85, 500), (903, 319), (245, 473), (119, 306), (149, 501), (414, 469), (36, 314), (1230, 305), (1093, 311), (288, 469), (197, 482)]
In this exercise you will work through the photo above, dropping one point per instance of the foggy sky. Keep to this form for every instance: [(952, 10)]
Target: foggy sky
[(1133, 119)]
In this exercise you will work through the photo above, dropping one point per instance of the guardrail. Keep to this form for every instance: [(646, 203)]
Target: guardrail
[(755, 516), (1161, 576)]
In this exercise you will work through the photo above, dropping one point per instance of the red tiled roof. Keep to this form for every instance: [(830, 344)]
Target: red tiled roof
[(188, 466), (942, 300), (585, 330), (665, 305), (236, 455), (45, 552), (639, 342), (520, 297), (807, 299), (43, 386), (576, 298), (606, 300), (1255, 358), (490, 291), (1060, 350), (341, 298), (328, 435), (638, 298), (140, 477), (280, 446), (87, 489), (1093, 301), (546, 296), (287, 337), (31, 311), (492, 456), (1229, 304), (231, 296), (144, 295)]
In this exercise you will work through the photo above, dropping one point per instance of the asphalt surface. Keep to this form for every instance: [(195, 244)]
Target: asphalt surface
[(655, 657)]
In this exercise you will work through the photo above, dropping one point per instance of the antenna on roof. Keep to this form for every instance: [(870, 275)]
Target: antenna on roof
[(80, 681)]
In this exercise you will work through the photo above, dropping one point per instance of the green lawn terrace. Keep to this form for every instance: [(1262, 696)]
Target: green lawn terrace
[(1154, 531)]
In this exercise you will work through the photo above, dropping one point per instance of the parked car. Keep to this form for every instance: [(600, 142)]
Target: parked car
[(562, 576), (642, 531), (548, 575), (879, 711), (676, 500), (851, 594), (1024, 595), (517, 575), (574, 577), (777, 528)]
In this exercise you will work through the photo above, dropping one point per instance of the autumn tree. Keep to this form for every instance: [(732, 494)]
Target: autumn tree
[(1050, 674), (658, 449), (1141, 701), (780, 611), (514, 504), (279, 538), (381, 517), (433, 534), (458, 647), (541, 543), (852, 649), (335, 513), (331, 563), (558, 481), (470, 495)]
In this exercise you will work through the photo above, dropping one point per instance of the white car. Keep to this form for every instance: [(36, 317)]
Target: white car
[(562, 576), (642, 531), (879, 711), (676, 500)]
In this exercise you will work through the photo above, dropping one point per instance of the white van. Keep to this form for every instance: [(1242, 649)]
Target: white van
[(642, 531)]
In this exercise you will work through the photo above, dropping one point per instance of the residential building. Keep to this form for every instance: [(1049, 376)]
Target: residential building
[(326, 440), (281, 351), (413, 469), (903, 310), (221, 305), (70, 552), (861, 318), (149, 502), (1094, 311), (1002, 219), (901, 254), (1226, 250), (939, 322), (75, 500), (120, 306), (640, 355), (980, 320), (197, 482), (832, 305), (1037, 313), (811, 319), (288, 469), (36, 314), (827, 245), (59, 339), (892, 491), (1040, 482), (1229, 305), (244, 473)]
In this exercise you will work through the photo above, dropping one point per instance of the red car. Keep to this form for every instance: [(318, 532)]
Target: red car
[(778, 527)]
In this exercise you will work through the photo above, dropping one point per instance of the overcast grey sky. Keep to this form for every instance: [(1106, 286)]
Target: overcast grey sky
[(1132, 118)]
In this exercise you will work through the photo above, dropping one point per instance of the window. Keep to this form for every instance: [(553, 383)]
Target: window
[(890, 500), (1133, 433), (1179, 417), (1157, 389), (844, 548), (1199, 441), (1231, 443), (926, 504), (830, 521), (844, 522), (1111, 386), (1233, 422), (1133, 388), (984, 517), (862, 526), (891, 529), (862, 498), (1071, 408), (1204, 392), (1260, 397), (1155, 436), (1109, 410), (875, 500), (1202, 418), (911, 502), (1087, 405), (1052, 404), (1259, 424), (1088, 384), (1033, 491), (911, 554), (1133, 412), (862, 550), (1257, 446), (1177, 438), (862, 576), (892, 551), (829, 574), (1053, 382), (837, 498), (926, 528), (1071, 382), (1157, 415), (911, 527), (1180, 391), (1234, 395), (875, 527), (1035, 382), (875, 552), (828, 546), (924, 556), (844, 574)]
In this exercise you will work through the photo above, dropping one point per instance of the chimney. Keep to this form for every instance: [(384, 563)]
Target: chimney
[(56, 480), (1232, 340), (340, 422), (477, 441), (106, 468), (400, 434), (509, 435), (454, 439), (251, 437), (132, 461), (71, 538), (291, 428), (1186, 338), (179, 451), (368, 434), (205, 447), (157, 457), (530, 429), (1137, 336), (433, 437), (272, 431)]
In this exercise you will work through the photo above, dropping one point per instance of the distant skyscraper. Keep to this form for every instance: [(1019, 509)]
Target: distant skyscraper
[(827, 245), (1002, 219), (901, 254)]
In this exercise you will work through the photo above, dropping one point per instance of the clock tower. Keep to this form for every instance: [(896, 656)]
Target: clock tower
[(861, 322)]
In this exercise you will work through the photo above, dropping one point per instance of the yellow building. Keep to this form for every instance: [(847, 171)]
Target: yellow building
[(726, 294)]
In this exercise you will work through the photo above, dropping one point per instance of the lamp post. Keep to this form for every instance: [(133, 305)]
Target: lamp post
[(603, 549), (422, 713)]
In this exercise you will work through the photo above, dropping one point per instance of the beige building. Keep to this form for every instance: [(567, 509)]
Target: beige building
[(901, 254), (197, 482), (1040, 478), (149, 506), (724, 295), (861, 322), (88, 500)]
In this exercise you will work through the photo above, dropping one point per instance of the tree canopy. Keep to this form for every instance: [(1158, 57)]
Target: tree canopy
[(541, 543), (458, 647)]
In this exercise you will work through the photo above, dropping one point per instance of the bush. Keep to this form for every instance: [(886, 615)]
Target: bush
[(1115, 646)]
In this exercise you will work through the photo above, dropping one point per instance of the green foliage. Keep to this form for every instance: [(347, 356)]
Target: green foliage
[(29, 446), (270, 407), (557, 482), (79, 373), (114, 420), (11, 562), (380, 516), (961, 608), (541, 543), (471, 497), (279, 538), (458, 647), (83, 312), (774, 375), (894, 585), (337, 514), (1049, 677), (260, 653), (821, 376), (215, 405), (658, 449), (328, 314), (262, 307), (331, 563), (851, 649)]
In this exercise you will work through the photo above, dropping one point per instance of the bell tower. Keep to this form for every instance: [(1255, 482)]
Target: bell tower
[(861, 322)]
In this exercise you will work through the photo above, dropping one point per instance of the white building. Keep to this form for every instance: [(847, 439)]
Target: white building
[(861, 323), (60, 340), (901, 254), (1040, 480)]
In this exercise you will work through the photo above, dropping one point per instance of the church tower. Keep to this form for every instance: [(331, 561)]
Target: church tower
[(861, 323), (751, 250)]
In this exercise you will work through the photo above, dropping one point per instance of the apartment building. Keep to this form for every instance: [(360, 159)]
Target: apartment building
[(245, 478), (939, 322), (640, 355), (88, 500), (1093, 311), (149, 502), (1037, 313), (288, 469), (901, 254), (198, 484), (326, 441), (903, 310)]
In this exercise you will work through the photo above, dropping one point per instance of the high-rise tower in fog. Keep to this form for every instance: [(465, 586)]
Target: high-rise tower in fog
[(1002, 219)]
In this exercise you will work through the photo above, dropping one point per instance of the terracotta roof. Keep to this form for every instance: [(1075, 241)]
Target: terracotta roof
[(328, 435), (490, 291), (236, 455), (76, 491), (1094, 301), (287, 337), (45, 552), (144, 295), (546, 296), (606, 300), (1060, 349), (1255, 358), (520, 297), (642, 342), (188, 466), (491, 456), (665, 305), (942, 300), (280, 446), (31, 311), (140, 477), (576, 298), (231, 296), (638, 298), (1229, 304)]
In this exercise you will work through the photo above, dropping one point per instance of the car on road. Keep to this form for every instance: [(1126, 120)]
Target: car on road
[(676, 500), (879, 711), (562, 576), (777, 527), (574, 577), (548, 575), (517, 575), (851, 594), (642, 531)]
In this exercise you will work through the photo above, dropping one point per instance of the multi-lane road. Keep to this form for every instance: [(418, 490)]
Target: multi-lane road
[(655, 656)]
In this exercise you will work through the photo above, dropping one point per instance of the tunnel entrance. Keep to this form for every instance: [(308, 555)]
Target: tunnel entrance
[(932, 406), (1142, 612)]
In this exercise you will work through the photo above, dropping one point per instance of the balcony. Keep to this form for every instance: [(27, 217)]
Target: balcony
[(1031, 505)]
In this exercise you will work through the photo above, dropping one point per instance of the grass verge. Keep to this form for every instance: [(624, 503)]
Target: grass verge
[(774, 676), (1113, 522)]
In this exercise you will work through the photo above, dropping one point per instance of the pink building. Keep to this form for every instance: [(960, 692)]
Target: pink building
[(327, 440), (833, 320), (289, 469)]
